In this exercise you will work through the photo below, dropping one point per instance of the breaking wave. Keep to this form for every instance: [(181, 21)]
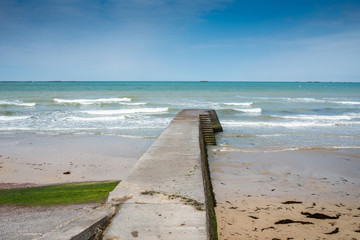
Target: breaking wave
[(17, 103), (126, 111), (92, 101)]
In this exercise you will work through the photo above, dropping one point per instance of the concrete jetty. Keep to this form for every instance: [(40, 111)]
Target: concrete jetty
[(165, 194), (168, 194)]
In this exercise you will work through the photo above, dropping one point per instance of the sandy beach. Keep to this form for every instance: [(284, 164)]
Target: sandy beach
[(27, 159), (301, 194)]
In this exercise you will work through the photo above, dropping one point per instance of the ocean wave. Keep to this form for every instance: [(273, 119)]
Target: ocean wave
[(92, 101), (17, 103), (347, 102), (245, 104), (294, 124), (249, 110), (95, 119), (133, 104), (305, 100), (126, 111), (321, 117), (13, 118)]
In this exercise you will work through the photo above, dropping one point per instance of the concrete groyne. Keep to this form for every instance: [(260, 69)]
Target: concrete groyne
[(167, 195)]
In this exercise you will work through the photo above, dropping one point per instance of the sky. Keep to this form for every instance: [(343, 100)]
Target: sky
[(180, 40)]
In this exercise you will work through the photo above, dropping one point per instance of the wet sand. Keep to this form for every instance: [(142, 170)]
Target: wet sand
[(302, 194), (27, 159)]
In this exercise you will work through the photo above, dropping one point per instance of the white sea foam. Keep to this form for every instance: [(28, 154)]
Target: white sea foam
[(321, 117), (249, 110), (347, 102), (305, 100), (92, 101), (245, 104), (13, 118), (294, 124), (126, 111), (17, 103), (95, 119), (133, 104)]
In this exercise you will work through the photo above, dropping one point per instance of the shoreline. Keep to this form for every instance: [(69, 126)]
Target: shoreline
[(256, 190)]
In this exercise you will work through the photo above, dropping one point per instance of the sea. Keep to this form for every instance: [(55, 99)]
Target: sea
[(256, 116)]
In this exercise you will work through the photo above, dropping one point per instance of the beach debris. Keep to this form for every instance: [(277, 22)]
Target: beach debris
[(253, 217), (288, 221), (333, 232), (268, 228), (292, 202), (67, 172), (150, 193), (123, 198), (232, 207), (319, 215), (340, 205), (135, 234)]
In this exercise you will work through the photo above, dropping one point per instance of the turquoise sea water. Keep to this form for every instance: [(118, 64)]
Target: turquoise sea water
[(256, 116)]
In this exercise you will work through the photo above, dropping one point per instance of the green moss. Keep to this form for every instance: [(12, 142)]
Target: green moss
[(61, 194)]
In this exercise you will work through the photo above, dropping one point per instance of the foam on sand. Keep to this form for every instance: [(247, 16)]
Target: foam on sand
[(293, 124)]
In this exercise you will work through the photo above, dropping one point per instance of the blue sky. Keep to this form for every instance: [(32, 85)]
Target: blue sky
[(179, 40)]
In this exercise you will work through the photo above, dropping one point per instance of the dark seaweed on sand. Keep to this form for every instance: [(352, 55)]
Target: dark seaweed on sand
[(333, 232), (288, 221), (319, 215)]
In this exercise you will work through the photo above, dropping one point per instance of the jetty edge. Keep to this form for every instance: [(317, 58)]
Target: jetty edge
[(167, 195)]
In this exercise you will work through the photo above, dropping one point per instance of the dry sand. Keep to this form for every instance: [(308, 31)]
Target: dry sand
[(303, 194), (28, 159)]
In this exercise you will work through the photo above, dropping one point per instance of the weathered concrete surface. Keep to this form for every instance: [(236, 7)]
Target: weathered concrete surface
[(163, 196), (31, 223), (87, 226)]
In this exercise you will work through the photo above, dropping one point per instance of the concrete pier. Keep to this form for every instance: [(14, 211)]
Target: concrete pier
[(165, 196)]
